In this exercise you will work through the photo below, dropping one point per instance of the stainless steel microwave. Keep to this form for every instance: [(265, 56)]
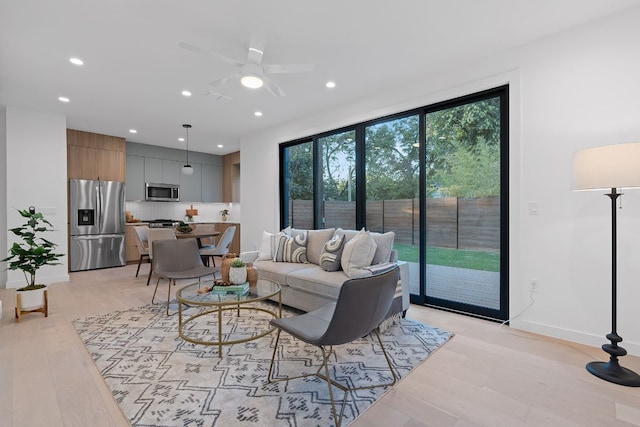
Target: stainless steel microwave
[(162, 192)]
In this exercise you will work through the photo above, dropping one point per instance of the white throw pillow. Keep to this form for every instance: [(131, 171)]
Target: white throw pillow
[(358, 253), (268, 246)]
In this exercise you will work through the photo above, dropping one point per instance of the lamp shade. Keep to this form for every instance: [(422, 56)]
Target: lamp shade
[(606, 167), (187, 170)]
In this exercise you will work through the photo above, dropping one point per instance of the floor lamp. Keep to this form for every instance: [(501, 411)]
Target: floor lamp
[(608, 168)]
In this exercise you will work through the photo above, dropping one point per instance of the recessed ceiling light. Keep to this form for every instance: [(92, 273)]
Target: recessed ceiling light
[(76, 61), (133, 131), (220, 146), (330, 84), (258, 113), (186, 93), (63, 99), (181, 139)]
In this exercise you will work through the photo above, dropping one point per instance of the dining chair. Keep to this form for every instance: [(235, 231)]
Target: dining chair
[(361, 306), (177, 259), (209, 251), (154, 234), (142, 243)]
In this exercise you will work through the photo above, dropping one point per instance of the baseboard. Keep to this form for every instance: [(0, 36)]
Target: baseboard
[(573, 336)]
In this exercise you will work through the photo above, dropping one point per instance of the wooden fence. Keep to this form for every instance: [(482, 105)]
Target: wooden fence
[(459, 223)]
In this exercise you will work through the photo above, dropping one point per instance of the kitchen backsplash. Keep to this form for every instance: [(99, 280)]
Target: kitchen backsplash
[(208, 212)]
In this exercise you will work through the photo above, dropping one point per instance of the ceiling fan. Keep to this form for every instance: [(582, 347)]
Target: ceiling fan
[(252, 73)]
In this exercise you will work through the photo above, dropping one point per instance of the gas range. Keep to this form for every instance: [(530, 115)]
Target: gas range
[(161, 223)]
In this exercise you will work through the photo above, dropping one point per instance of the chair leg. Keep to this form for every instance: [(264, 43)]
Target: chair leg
[(139, 262), (331, 382), (156, 290), (150, 272), (169, 293)]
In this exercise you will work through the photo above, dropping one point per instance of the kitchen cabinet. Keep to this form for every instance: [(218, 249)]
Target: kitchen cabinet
[(191, 185), (161, 171), (135, 178), (95, 156), (211, 180), (231, 177)]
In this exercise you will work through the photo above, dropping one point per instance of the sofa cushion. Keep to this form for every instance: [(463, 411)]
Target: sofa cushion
[(278, 271), (292, 249), (332, 253), (358, 253), (384, 244), (317, 281), (315, 242)]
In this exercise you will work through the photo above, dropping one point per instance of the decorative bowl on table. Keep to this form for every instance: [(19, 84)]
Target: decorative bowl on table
[(183, 227)]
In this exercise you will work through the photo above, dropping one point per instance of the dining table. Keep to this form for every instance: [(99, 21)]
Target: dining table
[(197, 234)]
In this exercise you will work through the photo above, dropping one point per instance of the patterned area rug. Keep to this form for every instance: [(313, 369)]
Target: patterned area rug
[(158, 379)]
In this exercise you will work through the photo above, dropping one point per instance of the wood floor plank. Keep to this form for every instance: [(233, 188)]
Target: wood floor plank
[(486, 375)]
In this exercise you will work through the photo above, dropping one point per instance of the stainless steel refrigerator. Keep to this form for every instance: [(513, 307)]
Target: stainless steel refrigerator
[(96, 224)]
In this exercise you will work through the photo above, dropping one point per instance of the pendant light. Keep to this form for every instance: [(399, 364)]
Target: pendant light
[(187, 169)]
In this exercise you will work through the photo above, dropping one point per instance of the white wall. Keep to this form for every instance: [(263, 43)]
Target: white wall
[(574, 90), (36, 175), (3, 192)]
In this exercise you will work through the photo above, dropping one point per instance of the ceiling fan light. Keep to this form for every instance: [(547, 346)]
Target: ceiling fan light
[(187, 170), (252, 81)]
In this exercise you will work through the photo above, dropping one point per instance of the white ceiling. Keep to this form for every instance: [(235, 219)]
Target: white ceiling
[(134, 69)]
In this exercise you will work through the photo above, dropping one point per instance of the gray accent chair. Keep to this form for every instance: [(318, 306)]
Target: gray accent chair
[(209, 251), (177, 259), (359, 310), (154, 234)]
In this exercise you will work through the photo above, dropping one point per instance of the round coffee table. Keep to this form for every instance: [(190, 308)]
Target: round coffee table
[(216, 303)]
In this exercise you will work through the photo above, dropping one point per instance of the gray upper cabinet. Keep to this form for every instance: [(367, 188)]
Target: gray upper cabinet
[(171, 172), (161, 171), (152, 170), (211, 183), (151, 163), (135, 178), (191, 185)]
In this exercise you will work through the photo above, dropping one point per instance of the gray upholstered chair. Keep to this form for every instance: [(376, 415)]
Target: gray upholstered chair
[(177, 259), (154, 234), (361, 306), (209, 251), (142, 244)]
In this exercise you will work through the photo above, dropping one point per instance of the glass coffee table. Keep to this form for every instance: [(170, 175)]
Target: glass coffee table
[(215, 304)]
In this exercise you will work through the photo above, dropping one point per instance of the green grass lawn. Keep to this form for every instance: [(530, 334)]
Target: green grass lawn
[(476, 260)]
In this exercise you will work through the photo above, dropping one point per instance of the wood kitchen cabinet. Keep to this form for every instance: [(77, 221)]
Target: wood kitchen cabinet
[(95, 156)]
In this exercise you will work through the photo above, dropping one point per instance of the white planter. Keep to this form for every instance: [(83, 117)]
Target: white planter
[(30, 300), (237, 275)]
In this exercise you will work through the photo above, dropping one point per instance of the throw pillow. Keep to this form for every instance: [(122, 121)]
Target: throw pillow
[(268, 246), (315, 243), (358, 253), (292, 249), (384, 244), (332, 253)]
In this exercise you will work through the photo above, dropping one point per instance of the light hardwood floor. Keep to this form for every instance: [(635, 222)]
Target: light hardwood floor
[(486, 375)]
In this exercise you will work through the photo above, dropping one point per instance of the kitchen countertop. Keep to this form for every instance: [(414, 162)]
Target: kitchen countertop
[(194, 222)]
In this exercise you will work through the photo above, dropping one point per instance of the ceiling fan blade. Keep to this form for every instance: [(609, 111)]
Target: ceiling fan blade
[(224, 80), (272, 87), (218, 96), (220, 57), (288, 68)]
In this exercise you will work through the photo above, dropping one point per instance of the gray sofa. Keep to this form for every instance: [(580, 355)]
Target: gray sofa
[(306, 285)]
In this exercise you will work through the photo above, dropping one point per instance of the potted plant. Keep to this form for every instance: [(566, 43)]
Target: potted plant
[(224, 213), (28, 256), (237, 272)]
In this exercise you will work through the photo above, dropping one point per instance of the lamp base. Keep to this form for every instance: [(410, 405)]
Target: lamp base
[(612, 371)]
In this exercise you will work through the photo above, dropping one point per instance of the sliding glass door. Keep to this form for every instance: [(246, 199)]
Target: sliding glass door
[(435, 176)]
